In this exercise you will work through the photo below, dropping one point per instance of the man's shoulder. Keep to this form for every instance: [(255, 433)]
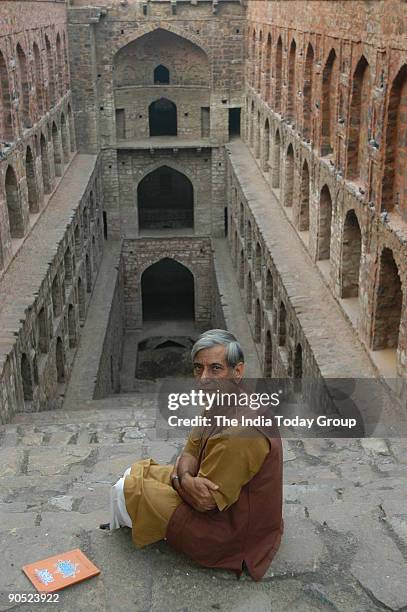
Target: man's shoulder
[(240, 437)]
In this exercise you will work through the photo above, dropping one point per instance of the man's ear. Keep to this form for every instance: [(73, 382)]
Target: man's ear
[(238, 371)]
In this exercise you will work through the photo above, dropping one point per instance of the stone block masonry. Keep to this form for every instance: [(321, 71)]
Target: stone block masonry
[(45, 293), (194, 254), (325, 121)]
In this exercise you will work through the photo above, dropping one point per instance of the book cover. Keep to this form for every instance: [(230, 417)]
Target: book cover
[(57, 572)]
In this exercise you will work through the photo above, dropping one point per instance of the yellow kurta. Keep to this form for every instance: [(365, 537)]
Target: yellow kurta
[(230, 462)]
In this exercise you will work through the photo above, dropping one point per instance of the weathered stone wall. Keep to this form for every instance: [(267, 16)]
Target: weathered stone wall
[(35, 366), (193, 253), (324, 91), (218, 314), (98, 39), (205, 168), (134, 166), (36, 122), (135, 102), (108, 377)]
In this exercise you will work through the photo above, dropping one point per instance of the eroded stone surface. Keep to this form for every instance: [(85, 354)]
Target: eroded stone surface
[(342, 548)]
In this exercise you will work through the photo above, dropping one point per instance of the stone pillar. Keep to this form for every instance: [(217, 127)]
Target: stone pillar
[(82, 56)]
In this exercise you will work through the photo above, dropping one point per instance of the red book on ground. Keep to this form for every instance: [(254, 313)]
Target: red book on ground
[(55, 573)]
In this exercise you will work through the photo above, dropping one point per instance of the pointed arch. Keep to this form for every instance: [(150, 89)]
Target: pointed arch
[(258, 260), (66, 63), (249, 293), (33, 200), (39, 84), (167, 290), (59, 66), (289, 177), (56, 145), (51, 73), (46, 172), (65, 140), (71, 129), (307, 92), (329, 86), (269, 291), (388, 303), (291, 93), (161, 75), (267, 70), (266, 146), (241, 269), (189, 59), (260, 61), (6, 125), (358, 120), (351, 254), (325, 220), (88, 270), (303, 213), (72, 326), (14, 204), (162, 116), (275, 182), (26, 377), (81, 300), (24, 86), (60, 361), (394, 187), (279, 75), (165, 199)]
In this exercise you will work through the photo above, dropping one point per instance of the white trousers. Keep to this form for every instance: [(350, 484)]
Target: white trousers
[(119, 517)]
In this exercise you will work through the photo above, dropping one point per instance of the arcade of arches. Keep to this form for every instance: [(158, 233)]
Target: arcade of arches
[(205, 164)]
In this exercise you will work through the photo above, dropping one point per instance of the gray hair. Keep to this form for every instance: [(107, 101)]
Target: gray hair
[(214, 337)]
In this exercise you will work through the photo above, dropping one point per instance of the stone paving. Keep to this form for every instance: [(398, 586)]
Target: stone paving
[(344, 548), (88, 354), (336, 354)]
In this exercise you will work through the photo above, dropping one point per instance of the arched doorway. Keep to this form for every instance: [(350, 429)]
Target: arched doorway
[(289, 177), (162, 115), (72, 326), (389, 301), (14, 209), (56, 143), (60, 361), (167, 290), (31, 181), (26, 377), (394, 191), (329, 79), (325, 219), (46, 178), (161, 75), (165, 200), (303, 213), (351, 253)]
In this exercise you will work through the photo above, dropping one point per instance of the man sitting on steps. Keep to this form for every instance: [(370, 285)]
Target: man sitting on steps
[(221, 502)]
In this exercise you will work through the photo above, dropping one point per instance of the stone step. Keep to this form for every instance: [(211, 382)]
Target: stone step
[(77, 434)]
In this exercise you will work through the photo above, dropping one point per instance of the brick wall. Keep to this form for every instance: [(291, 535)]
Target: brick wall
[(324, 117)]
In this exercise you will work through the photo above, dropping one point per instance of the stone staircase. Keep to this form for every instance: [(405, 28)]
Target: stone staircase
[(344, 548)]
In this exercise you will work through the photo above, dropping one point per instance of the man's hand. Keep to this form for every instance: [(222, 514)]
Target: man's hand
[(199, 490), (175, 470)]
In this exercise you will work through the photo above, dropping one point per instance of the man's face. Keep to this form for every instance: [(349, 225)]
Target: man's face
[(211, 369)]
